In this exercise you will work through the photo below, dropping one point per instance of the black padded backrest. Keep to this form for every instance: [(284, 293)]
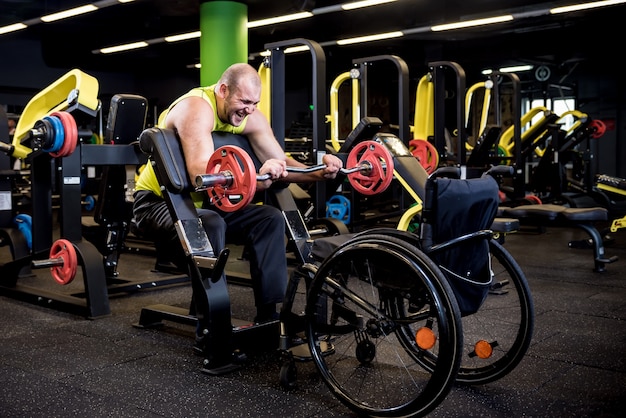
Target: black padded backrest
[(485, 143), (127, 118), (5, 163), (4, 126), (165, 150), (226, 138), (407, 168), (364, 130)]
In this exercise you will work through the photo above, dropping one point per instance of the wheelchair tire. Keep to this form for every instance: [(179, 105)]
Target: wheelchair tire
[(289, 375), (370, 290), (496, 338), (505, 320)]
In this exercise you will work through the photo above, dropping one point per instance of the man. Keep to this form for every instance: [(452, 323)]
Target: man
[(229, 106)]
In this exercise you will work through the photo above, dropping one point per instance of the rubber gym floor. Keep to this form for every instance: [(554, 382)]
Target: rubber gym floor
[(56, 364)]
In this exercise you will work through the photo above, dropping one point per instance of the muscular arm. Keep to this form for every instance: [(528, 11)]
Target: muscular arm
[(192, 119), (268, 150)]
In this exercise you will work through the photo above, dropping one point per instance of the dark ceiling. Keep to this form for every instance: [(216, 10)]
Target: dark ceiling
[(591, 37)]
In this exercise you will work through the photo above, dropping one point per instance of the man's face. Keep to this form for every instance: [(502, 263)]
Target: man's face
[(240, 102)]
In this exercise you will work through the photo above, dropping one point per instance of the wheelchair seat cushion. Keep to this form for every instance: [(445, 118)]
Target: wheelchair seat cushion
[(324, 247)]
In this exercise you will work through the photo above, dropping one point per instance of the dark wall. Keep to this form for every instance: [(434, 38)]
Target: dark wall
[(24, 73), (601, 91)]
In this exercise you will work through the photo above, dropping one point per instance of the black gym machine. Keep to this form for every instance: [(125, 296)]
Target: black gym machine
[(62, 169)]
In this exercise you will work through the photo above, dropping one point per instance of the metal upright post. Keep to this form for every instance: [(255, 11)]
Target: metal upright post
[(438, 69), (319, 95)]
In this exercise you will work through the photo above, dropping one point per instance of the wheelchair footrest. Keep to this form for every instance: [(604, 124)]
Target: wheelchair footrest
[(220, 370), (302, 353)]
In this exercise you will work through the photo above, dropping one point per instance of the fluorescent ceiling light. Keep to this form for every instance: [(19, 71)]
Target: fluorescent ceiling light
[(516, 68), (125, 1), (125, 47), (583, 6), (512, 69), (182, 36), (299, 48), (370, 38), (289, 50), (364, 3), (69, 13), (469, 23), (279, 19), (12, 28)]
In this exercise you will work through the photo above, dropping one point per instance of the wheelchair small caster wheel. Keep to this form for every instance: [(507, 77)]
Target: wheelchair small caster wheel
[(365, 351), (289, 375)]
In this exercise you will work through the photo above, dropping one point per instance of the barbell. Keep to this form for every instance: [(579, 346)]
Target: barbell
[(63, 262), (231, 177)]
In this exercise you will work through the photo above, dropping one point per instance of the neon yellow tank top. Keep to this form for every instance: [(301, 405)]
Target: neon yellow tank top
[(147, 178)]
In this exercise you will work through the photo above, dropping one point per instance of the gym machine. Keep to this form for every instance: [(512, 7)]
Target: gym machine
[(47, 138)]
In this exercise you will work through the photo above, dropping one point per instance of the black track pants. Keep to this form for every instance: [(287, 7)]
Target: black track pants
[(261, 228)]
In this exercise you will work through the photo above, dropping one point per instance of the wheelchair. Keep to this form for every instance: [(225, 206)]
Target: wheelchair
[(384, 321), (496, 336)]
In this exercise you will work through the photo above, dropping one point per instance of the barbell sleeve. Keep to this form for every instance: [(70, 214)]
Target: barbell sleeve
[(47, 263), (204, 181)]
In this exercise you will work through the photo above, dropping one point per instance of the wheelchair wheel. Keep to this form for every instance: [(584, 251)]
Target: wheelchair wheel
[(497, 336), (364, 302)]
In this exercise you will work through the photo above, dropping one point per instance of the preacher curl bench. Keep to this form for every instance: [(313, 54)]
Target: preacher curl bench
[(210, 309)]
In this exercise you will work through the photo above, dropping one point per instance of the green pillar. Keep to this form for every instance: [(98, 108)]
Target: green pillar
[(223, 38)]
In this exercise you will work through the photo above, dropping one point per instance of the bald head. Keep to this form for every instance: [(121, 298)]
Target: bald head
[(237, 93), (240, 73)]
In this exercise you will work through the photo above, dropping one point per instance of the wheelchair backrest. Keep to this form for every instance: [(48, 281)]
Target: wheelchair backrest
[(456, 215), (455, 207)]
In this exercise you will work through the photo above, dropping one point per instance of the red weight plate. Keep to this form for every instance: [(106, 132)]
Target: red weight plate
[(71, 134), (598, 128), (379, 158), (65, 250), (533, 199), (426, 153), (239, 165)]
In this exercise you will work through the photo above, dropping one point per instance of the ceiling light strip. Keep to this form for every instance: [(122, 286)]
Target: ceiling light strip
[(182, 36), (69, 13), (370, 38), (61, 15), (585, 6), (365, 3), (12, 28), (471, 23), (279, 19), (302, 15), (125, 47), (512, 69)]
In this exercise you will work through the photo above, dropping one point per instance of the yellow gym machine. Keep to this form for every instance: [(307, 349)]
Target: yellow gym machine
[(48, 141)]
